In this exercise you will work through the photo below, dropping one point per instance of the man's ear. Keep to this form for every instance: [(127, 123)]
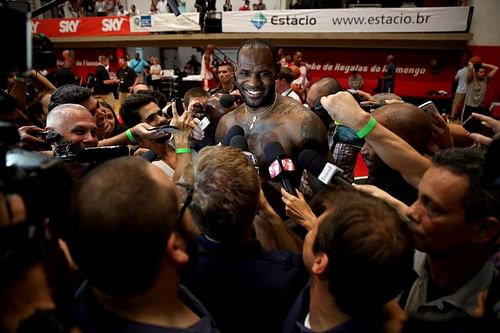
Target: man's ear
[(485, 230), (320, 263), (176, 249)]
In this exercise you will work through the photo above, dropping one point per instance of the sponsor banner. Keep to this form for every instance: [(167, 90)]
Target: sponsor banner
[(165, 22), (85, 26), (418, 72), (433, 19)]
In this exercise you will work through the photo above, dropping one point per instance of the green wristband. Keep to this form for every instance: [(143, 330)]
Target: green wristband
[(183, 151), (370, 125), (130, 136)]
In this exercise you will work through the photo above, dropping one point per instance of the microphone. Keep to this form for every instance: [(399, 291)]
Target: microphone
[(240, 142), (281, 166), (100, 154), (319, 167), (227, 101), (233, 131)]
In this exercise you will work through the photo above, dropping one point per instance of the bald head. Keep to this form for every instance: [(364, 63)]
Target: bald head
[(61, 114), (323, 87), (408, 122), (74, 123)]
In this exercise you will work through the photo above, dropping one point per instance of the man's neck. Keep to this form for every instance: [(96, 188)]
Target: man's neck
[(453, 271), (260, 110), (324, 313), (158, 306), (228, 86)]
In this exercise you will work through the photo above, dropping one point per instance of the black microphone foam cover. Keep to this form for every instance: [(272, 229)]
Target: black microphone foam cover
[(306, 157), (240, 142), (233, 131), (317, 165), (273, 150), (227, 101)]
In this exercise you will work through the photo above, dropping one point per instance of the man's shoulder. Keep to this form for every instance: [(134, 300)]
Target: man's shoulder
[(293, 108), (234, 117)]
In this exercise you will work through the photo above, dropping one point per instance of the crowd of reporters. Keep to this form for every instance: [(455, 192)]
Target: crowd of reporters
[(93, 239)]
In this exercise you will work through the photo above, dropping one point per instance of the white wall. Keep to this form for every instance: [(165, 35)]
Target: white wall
[(485, 24)]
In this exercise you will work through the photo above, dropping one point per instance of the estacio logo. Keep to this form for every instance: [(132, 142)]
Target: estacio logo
[(259, 20)]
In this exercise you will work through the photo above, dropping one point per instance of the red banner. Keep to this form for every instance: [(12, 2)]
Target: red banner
[(419, 73), (84, 26)]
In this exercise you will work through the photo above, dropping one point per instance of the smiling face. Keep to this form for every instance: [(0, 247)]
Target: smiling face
[(75, 124), (108, 124), (255, 76)]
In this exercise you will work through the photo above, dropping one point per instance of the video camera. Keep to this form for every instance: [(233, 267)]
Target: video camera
[(41, 181), (66, 151), (31, 51), (44, 186)]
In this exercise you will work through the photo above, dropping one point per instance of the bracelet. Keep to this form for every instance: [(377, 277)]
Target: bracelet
[(183, 151), (370, 125), (130, 136)]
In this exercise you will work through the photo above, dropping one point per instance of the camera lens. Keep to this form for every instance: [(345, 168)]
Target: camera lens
[(198, 108)]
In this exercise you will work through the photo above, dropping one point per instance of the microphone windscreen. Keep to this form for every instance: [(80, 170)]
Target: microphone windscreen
[(317, 165), (273, 150), (240, 142), (100, 154), (227, 101), (306, 157), (233, 131)]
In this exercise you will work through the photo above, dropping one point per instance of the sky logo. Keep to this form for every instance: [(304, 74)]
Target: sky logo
[(259, 20)]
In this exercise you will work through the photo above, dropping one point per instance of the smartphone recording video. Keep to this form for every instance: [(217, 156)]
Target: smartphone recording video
[(179, 105), (429, 107), (473, 125)]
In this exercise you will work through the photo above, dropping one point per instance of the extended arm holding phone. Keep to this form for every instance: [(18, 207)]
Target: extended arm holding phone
[(181, 140), (393, 150)]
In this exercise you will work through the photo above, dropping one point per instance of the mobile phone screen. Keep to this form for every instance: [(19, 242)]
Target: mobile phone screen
[(179, 105), (473, 125)]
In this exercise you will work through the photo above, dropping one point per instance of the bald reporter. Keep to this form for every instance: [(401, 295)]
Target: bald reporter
[(81, 95)]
